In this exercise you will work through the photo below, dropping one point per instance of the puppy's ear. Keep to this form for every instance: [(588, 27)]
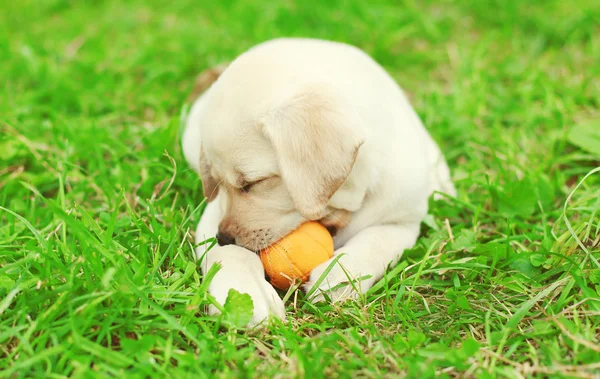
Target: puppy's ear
[(210, 185), (316, 139)]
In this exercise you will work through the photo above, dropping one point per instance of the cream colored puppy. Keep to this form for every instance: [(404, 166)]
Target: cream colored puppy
[(300, 129)]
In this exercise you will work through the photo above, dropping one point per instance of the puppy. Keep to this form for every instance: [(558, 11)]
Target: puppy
[(299, 129)]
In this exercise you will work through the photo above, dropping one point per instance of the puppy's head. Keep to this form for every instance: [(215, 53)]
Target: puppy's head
[(279, 168)]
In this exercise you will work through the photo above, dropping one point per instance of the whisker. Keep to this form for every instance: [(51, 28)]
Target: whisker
[(216, 188), (259, 246), (255, 245)]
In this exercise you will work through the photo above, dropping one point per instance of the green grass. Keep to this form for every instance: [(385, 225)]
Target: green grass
[(97, 204)]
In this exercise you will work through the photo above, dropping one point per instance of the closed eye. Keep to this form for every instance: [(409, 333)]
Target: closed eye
[(248, 186)]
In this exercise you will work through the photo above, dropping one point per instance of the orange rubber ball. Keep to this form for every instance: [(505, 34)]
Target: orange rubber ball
[(293, 257)]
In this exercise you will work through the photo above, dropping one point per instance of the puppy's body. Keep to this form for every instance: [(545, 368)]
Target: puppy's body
[(326, 134)]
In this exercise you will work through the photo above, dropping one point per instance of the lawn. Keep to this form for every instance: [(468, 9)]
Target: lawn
[(97, 205)]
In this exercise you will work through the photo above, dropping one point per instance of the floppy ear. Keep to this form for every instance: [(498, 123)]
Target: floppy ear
[(209, 183), (316, 139)]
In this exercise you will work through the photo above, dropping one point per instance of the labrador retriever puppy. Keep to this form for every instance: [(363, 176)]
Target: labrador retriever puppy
[(300, 129)]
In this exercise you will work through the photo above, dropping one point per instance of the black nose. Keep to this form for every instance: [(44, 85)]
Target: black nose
[(225, 239)]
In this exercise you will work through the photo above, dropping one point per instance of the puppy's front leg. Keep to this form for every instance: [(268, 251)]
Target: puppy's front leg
[(241, 269), (367, 254)]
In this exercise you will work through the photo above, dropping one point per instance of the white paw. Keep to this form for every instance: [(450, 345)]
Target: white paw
[(346, 280), (244, 273)]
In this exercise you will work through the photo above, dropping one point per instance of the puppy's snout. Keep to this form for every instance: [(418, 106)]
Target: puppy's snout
[(225, 239)]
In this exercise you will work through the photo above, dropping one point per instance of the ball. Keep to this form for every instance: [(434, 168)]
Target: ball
[(293, 257)]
